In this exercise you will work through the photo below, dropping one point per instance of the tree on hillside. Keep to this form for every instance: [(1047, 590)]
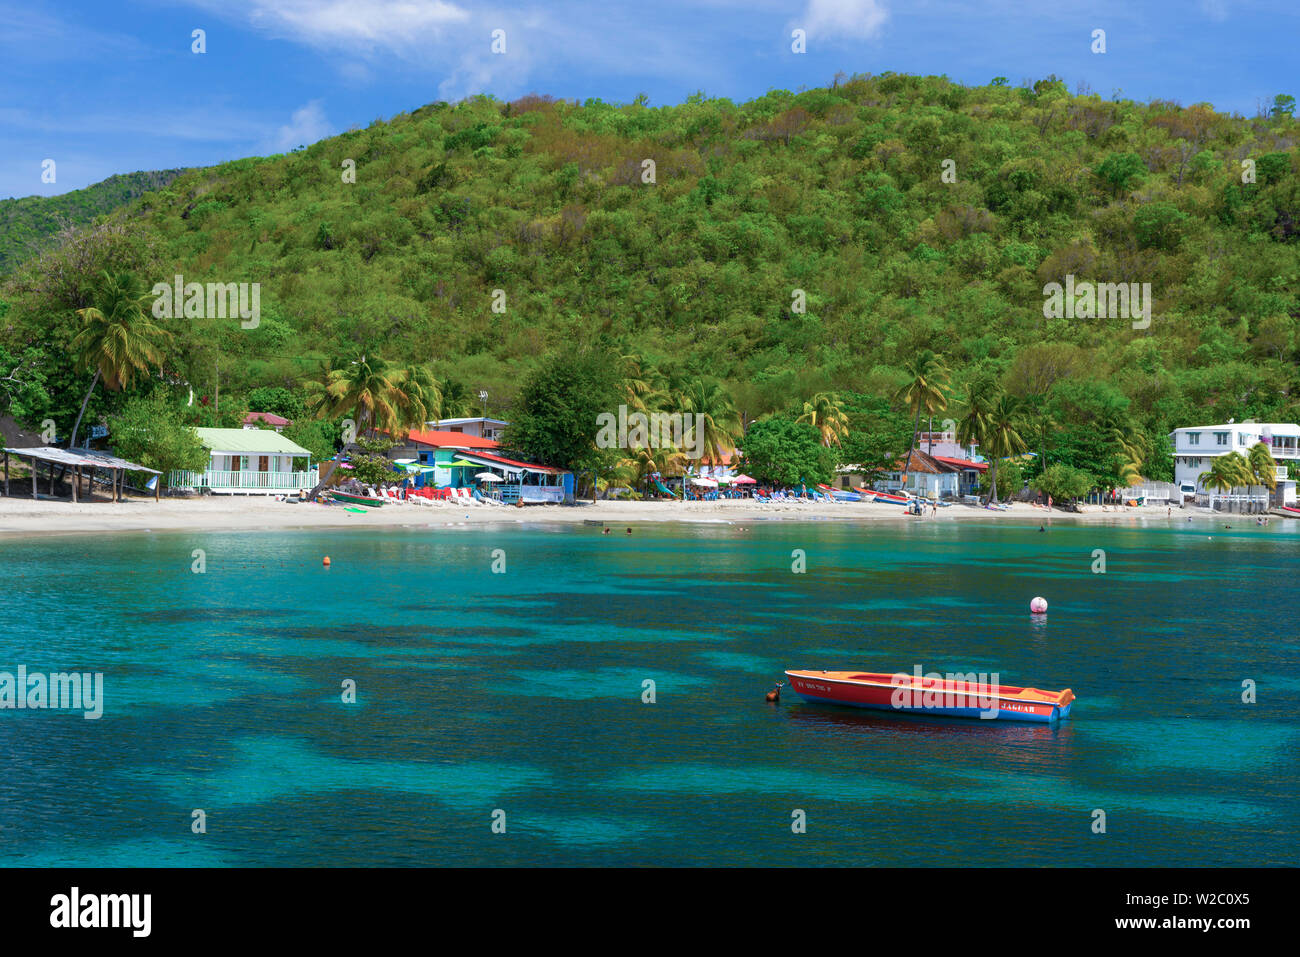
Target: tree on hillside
[(877, 434), (118, 338), (277, 400)]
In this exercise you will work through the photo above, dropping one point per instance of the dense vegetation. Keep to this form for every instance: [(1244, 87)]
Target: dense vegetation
[(29, 224), (801, 244)]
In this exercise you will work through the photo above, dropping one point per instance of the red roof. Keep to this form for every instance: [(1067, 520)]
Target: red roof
[(270, 418), (962, 463), (449, 440), (499, 460)]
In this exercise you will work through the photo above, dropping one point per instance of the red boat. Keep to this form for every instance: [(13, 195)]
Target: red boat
[(954, 696), (885, 498)]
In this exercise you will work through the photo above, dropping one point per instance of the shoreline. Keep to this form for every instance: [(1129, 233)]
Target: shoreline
[(22, 518)]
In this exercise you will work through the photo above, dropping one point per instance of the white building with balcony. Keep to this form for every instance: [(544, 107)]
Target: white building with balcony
[(1196, 447), (249, 462)]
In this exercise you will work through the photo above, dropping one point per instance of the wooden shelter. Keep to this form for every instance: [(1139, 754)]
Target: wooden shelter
[(82, 463)]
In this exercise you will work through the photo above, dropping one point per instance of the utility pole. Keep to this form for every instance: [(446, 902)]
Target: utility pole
[(217, 401)]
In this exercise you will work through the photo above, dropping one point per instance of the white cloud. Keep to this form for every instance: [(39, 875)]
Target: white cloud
[(306, 126), (370, 26), (844, 19)]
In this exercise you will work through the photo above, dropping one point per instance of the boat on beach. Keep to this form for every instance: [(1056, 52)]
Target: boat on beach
[(931, 694), (839, 494), (884, 498), (349, 498)]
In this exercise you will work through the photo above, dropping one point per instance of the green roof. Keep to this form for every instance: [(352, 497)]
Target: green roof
[(249, 441)]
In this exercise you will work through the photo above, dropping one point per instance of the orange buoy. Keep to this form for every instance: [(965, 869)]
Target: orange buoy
[(326, 561)]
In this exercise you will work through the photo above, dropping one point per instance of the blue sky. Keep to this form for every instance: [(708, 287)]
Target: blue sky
[(111, 86)]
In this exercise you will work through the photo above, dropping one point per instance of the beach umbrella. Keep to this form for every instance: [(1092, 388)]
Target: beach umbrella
[(744, 480), (462, 464), (489, 477)]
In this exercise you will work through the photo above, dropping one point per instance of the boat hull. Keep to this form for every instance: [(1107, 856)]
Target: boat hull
[(884, 498), (357, 499), (881, 692)]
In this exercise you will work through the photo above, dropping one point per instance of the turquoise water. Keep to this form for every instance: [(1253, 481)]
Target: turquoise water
[(522, 692)]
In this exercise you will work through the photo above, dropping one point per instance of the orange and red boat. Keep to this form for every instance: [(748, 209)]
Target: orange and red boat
[(953, 696)]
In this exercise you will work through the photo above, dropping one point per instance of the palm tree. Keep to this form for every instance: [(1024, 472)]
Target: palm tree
[(973, 424), (1225, 473), (117, 338), (715, 416), (972, 427), (1128, 472), (826, 414), (378, 396), (643, 462), (422, 396), (1263, 468), (456, 400), (926, 390), (1002, 436), (643, 384)]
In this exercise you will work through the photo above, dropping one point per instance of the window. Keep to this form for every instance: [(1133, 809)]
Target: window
[(1220, 438), (1241, 438), (1193, 438)]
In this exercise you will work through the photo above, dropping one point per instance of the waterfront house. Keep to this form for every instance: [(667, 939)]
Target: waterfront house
[(249, 462), (438, 448), (523, 481), (1195, 448), (968, 472), (926, 476)]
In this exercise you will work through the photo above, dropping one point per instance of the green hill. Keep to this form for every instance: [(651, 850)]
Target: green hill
[(840, 199), (28, 225)]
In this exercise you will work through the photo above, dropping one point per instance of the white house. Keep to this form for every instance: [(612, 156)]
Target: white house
[(248, 462), (926, 476), (1195, 448)]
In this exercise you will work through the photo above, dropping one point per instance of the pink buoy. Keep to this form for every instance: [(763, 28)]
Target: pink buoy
[(1038, 606)]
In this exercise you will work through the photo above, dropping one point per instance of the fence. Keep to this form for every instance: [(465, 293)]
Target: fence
[(242, 481)]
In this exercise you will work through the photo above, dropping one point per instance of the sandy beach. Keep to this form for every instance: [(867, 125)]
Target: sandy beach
[(21, 517)]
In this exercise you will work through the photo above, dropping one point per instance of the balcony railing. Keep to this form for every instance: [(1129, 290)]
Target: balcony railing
[(243, 481)]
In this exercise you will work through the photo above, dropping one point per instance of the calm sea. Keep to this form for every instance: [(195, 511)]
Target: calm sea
[(517, 696)]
